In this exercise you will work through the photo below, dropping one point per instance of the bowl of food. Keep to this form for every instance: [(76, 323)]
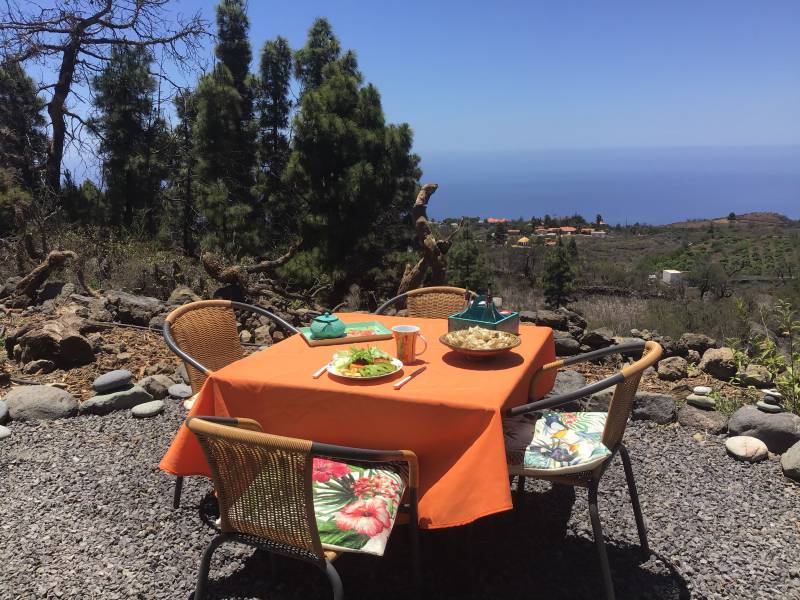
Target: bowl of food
[(478, 342), (363, 363)]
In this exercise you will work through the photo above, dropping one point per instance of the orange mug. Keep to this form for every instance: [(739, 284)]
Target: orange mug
[(406, 338)]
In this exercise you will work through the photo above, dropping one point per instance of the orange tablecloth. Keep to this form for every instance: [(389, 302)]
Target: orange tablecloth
[(449, 415)]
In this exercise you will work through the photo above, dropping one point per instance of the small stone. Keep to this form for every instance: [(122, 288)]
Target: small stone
[(757, 376), (111, 381), (3, 412), (769, 408), (701, 401), (148, 409), (262, 336), (744, 447), (102, 404), (702, 390), (770, 399), (699, 437), (693, 357), (123, 357), (774, 393), (180, 390), (4, 432), (59, 384), (790, 462), (245, 336), (188, 404)]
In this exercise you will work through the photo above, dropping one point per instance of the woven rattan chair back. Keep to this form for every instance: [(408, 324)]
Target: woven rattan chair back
[(207, 331), (263, 486), (619, 411), (435, 302)]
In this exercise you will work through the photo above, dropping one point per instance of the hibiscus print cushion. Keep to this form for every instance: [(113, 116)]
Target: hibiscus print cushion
[(355, 506), (558, 443)]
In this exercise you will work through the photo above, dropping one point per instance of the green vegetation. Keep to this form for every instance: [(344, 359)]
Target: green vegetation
[(466, 264), (558, 282)]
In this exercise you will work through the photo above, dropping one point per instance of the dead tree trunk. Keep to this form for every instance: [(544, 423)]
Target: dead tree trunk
[(433, 250), (55, 260)]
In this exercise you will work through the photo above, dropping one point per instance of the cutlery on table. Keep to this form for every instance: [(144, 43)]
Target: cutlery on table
[(405, 380), (318, 374)]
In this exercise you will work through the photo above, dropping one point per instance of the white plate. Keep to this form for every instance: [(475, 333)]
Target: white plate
[(398, 365)]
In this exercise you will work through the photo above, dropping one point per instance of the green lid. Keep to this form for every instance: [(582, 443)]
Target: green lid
[(326, 317)]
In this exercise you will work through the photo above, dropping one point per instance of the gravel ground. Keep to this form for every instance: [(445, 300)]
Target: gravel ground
[(85, 513)]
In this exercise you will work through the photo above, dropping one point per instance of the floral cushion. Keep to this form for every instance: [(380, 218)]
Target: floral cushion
[(557, 443), (355, 506)]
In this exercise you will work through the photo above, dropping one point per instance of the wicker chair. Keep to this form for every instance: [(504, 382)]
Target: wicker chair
[(264, 486), (575, 449), (437, 302), (204, 334)]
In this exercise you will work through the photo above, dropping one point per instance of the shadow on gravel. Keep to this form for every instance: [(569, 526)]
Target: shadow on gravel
[(526, 554)]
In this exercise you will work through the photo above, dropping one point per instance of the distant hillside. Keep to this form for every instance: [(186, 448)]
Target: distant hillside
[(759, 218)]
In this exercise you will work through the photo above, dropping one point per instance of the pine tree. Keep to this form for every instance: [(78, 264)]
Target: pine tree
[(179, 226), (354, 179), (225, 140), (274, 106), (84, 203), (322, 48), (131, 137), (572, 249), (23, 139), (466, 265), (559, 276)]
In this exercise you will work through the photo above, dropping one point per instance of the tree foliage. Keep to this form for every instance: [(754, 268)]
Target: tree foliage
[(466, 265), (558, 281)]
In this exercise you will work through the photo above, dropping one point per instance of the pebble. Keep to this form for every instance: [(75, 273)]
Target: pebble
[(773, 392), (770, 399), (702, 390), (769, 408), (188, 404), (745, 447), (701, 401), (180, 390), (112, 381), (4, 432), (3, 412), (148, 409)]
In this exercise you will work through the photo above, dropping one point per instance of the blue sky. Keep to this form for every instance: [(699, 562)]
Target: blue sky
[(515, 76)]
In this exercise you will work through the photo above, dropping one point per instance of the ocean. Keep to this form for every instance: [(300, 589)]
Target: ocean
[(627, 185)]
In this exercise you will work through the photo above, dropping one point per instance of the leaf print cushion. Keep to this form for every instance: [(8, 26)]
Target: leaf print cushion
[(355, 506), (560, 443)]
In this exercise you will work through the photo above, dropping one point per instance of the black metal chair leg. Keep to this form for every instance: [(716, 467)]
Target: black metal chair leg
[(336, 581), (637, 509), (176, 499), (519, 493), (205, 564), (597, 530)]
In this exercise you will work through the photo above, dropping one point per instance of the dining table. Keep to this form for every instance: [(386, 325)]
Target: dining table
[(450, 415)]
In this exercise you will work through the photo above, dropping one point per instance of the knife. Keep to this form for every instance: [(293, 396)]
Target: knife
[(405, 380)]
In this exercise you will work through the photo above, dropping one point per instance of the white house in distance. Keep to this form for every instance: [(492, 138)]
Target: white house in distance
[(671, 276)]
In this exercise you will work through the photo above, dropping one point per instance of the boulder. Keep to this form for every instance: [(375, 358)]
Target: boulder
[(156, 385), (132, 309), (567, 381), (743, 447), (693, 357), (719, 363), (599, 401), (3, 412), (99, 311), (102, 404), (790, 462), (9, 287), (157, 322), (779, 432), (566, 345), (182, 295), (573, 317), (39, 366), (113, 380), (551, 318), (147, 409), (695, 341), (648, 406), (707, 420), (40, 402), (59, 341), (672, 368), (757, 376), (598, 338)]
